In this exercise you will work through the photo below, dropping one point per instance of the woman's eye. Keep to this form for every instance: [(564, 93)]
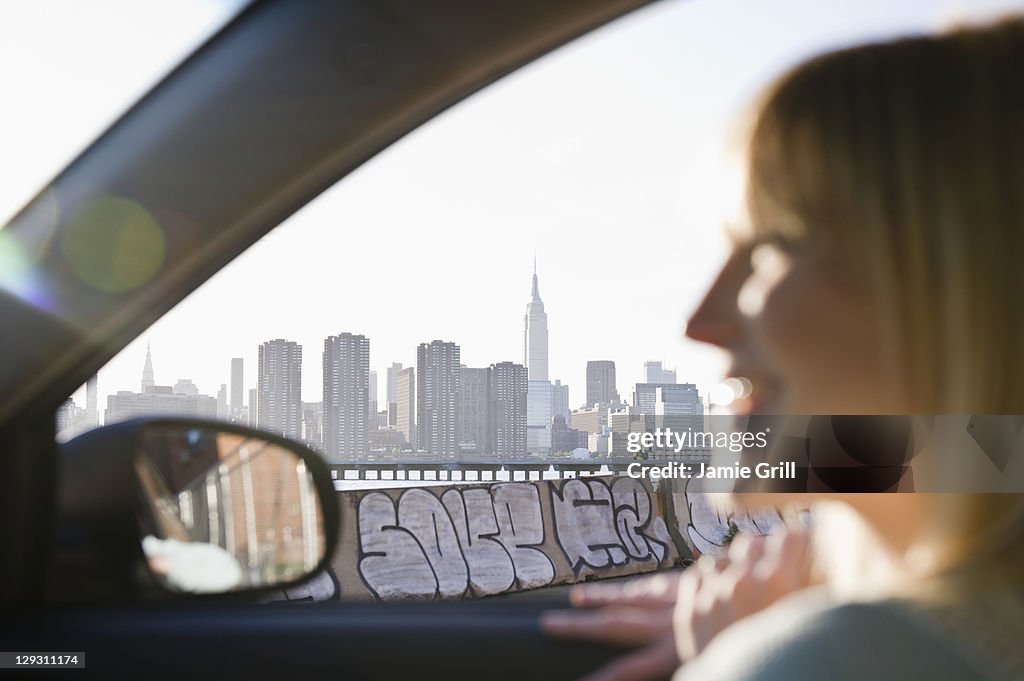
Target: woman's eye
[(770, 255), (769, 265)]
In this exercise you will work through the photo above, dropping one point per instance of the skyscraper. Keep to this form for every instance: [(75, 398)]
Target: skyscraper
[(507, 412), (92, 415), (279, 387), (391, 396), (535, 334), (147, 371), (405, 404), (473, 410), (313, 425), (346, 404), (679, 407), (437, 398), (372, 385), (560, 400), (538, 417), (601, 383), (682, 399), (655, 373), (222, 401), (237, 386), (253, 415), (535, 358)]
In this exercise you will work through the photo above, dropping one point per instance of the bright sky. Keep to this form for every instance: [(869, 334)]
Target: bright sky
[(603, 158)]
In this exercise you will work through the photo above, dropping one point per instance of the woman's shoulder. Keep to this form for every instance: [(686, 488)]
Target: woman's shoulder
[(809, 636)]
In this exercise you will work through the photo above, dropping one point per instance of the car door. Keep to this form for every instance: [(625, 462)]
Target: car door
[(221, 153)]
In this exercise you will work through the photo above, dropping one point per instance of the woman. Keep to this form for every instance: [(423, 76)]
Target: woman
[(879, 274)]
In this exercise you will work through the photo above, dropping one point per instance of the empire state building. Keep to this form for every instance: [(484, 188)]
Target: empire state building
[(535, 357), (535, 335)]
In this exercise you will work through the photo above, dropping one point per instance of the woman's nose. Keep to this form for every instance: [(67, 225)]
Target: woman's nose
[(717, 320)]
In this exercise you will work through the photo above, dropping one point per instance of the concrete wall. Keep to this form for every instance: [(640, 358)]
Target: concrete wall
[(466, 541), (469, 541)]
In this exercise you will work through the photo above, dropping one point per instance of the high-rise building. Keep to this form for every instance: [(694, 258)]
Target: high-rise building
[(254, 415), (645, 395), (405, 405), (373, 392), (655, 373), (312, 425), (679, 407), (390, 395), (535, 334), (560, 400), (66, 416), (92, 415), (392, 392), (392, 376), (147, 371), (507, 411), (538, 417), (346, 401), (473, 410), (622, 422), (601, 383), (437, 398), (72, 420), (237, 386), (222, 401), (279, 386), (535, 357)]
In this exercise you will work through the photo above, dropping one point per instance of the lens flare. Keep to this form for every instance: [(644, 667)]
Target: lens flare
[(113, 244), (722, 395), (731, 392), (17, 275)]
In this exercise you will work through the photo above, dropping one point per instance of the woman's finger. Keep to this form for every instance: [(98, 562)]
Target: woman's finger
[(657, 591), (746, 550), (618, 625)]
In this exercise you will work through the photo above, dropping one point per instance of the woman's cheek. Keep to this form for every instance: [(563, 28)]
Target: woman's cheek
[(774, 299), (787, 322), (799, 340)]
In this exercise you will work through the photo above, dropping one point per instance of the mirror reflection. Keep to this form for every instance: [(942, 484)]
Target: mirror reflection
[(223, 510)]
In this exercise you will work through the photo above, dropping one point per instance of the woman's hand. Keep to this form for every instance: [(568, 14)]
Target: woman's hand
[(759, 572), (636, 613), (671, 617)]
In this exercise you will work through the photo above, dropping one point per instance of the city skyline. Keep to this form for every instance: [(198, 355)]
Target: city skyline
[(441, 407), (569, 176), (245, 365), (534, 349)]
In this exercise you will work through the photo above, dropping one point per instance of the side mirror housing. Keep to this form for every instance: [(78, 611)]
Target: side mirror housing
[(167, 508)]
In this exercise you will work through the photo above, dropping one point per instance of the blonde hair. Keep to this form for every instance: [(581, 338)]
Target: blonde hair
[(908, 156)]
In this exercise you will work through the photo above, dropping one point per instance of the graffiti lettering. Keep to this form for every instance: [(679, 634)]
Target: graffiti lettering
[(452, 542), (601, 524)]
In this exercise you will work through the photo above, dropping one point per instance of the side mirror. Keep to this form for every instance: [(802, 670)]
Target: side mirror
[(159, 507)]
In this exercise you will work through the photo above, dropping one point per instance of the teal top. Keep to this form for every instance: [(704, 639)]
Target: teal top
[(808, 637)]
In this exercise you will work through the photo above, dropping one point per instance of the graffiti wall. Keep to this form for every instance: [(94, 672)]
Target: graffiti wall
[(707, 521), (465, 541)]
